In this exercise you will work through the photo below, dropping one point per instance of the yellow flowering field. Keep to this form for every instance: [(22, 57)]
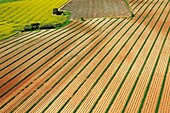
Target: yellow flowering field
[(15, 15)]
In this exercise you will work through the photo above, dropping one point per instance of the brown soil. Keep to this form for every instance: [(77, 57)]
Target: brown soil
[(98, 65)]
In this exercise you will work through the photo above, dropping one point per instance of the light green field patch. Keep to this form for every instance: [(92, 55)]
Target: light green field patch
[(15, 15)]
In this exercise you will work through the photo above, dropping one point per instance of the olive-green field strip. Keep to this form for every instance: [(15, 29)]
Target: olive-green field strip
[(100, 65)]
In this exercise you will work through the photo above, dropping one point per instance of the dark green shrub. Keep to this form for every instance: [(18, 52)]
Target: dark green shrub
[(57, 12), (35, 26), (82, 19)]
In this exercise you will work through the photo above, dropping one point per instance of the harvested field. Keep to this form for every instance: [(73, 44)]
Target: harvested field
[(97, 9), (100, 65)]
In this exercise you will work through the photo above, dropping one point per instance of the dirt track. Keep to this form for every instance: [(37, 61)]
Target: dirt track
[(101, 65)]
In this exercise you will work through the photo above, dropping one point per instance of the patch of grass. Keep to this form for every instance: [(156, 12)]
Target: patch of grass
[(63, 24), (15, 15), (66, 22)]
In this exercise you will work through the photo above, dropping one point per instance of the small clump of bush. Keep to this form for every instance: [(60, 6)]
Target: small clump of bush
[(57, 12), (49, 26), (36, 26)]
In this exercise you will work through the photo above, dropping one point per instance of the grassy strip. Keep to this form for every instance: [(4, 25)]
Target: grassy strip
[(22, 38), (39, 26), (64, 24), (153, 71)]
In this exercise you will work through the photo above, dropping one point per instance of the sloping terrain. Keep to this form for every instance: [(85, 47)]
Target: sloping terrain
[(100, 65), (97, 9)]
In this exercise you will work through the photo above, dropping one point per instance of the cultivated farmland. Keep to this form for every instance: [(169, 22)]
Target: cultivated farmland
[(97, 9), (15, 15), (100, 65)]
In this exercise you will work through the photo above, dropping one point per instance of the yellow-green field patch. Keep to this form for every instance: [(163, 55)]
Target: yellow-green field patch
[(15, 15)]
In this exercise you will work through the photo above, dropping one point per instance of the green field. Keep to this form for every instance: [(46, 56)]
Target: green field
[(15, 15)]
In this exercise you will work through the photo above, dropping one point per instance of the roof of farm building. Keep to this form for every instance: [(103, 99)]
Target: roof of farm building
[(100, 65)]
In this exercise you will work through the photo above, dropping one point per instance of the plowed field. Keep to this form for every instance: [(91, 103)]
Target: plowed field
[(97, 8), (100, 65)]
